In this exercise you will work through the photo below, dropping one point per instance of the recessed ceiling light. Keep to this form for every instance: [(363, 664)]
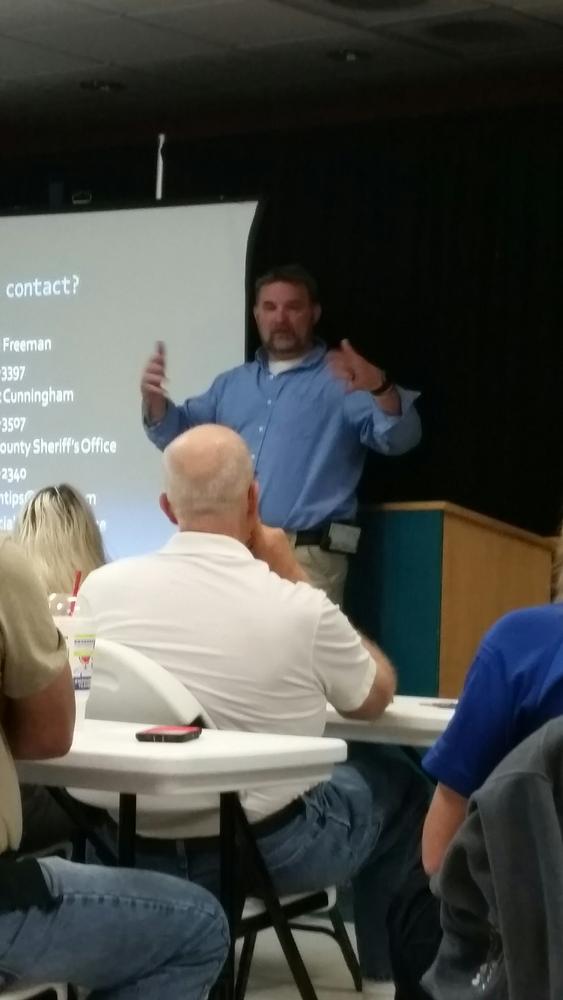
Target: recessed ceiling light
[(349, 56), (102, 86)]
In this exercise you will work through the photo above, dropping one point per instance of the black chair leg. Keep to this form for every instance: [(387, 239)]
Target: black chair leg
[(348, 953), (244, 964), (274, 908), (79, 849)]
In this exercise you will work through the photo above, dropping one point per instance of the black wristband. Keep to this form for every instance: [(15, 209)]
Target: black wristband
[(387, 384)]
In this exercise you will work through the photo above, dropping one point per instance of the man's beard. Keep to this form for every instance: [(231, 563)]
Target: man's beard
[(285, 340)]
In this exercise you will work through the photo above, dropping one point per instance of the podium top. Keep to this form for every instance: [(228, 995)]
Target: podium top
[(454, 510)]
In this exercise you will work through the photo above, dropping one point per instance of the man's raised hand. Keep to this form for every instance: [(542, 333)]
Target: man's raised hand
[(153, 391), (354, 370)]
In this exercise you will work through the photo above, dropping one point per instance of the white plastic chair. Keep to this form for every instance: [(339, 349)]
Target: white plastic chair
[(127, 686), (296, 907)]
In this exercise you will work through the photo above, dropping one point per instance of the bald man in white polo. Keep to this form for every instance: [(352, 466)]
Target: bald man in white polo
[(227, 609)]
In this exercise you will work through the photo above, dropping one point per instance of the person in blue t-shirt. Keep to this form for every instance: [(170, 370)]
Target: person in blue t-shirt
[(308, 417), (513, 687)]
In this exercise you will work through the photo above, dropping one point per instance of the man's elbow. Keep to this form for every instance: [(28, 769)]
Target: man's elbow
[(431, 860), (433, 845), (406, 442), (383, 695), (60, 745), (385, 685), (61, 738), (377, 701), (444, 818), (45, 745)]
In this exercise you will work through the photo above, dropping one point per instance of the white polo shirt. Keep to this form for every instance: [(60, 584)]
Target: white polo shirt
[(259, 653)]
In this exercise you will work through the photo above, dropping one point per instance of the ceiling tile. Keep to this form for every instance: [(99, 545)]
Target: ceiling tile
[(246, 24), (493, 34), (135, 7), (302, 67), (546, 10), (117, 40), (21, 14), (20, 61), (387, 12)]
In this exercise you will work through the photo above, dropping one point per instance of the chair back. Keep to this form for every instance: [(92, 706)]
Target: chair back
[(127, 686)]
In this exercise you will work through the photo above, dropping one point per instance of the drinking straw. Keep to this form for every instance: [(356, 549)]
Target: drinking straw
[(77, 579)]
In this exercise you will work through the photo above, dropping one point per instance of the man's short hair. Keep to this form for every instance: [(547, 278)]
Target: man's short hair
[(214, 482), (292, 274)]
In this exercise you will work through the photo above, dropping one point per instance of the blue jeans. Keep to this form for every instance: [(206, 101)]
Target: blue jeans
[(122, 934), (363, 825)]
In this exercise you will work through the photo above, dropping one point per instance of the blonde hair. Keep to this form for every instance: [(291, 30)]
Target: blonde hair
[(59, 534)]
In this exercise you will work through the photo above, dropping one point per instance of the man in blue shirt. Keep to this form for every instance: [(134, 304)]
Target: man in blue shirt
[(307, 415), (513, 687)]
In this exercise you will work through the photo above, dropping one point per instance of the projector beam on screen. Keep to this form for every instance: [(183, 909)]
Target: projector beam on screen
[(83, 298)]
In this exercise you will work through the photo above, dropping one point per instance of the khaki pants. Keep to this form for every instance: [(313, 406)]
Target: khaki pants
[(326, 570)]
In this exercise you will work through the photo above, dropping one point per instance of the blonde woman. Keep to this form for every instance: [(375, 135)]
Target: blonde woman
[(58, 532)]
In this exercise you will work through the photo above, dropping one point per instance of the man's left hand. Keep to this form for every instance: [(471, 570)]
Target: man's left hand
[(354, 370)]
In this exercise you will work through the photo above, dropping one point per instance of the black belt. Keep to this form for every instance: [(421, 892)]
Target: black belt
[(313, 537), (262, 828), (276, 821)]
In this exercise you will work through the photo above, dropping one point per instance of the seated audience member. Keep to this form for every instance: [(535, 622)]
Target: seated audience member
[(513, 687), (58, 532), (119, 933), (227, 609), (501, 883)]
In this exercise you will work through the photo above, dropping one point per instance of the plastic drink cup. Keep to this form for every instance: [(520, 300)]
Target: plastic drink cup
[(72, 617)]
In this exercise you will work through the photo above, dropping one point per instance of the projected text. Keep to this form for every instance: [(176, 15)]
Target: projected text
[(43, 288)]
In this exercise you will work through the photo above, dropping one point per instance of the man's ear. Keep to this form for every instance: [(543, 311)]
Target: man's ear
[(253, 499), (316, 313), (252, 516), (166, 508)]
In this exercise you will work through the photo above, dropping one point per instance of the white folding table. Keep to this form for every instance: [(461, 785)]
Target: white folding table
[(408, 721), (105, 756)]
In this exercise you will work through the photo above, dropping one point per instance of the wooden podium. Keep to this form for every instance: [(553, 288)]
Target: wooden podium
[(430, 578)]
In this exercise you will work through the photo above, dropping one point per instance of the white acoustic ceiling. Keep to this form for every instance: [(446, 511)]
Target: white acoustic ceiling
[(177, 60)]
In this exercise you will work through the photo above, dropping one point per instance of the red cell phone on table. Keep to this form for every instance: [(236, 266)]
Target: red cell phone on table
[(168, 734)]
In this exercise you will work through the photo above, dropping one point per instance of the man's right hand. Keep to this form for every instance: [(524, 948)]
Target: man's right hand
[(272, 546), (155, 397)]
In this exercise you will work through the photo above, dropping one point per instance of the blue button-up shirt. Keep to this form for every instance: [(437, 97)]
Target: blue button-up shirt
[(307, 435)]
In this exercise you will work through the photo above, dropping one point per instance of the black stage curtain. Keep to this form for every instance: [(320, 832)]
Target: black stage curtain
[(438, 249)]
